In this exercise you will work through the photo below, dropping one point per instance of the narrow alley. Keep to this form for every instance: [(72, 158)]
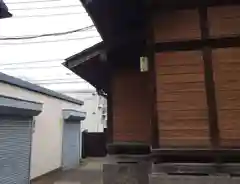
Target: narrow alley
[(89, 172)]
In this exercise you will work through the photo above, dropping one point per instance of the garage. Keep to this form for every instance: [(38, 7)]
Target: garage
[(72, 138), (16, 119)]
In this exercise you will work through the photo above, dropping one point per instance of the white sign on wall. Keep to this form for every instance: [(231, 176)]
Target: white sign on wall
[(143, 64)]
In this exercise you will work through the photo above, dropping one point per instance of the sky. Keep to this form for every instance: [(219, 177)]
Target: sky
[(39, 60)]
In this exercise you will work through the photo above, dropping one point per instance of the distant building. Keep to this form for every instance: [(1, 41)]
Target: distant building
[(95, 106)]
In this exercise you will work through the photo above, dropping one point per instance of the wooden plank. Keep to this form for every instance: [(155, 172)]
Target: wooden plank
[(168, 70), (227, 79), (181, 100), (184, 115), (171, 26), (229, 120), (224, 21), (230, 143), (192, 124), (183, 59), (177, 142), (180, 78), (131, 114), (184, 134), (197, 104), (180, 97), (172, 88)]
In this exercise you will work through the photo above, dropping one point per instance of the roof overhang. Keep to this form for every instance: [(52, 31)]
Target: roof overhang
[(96, 64), (119, 21), (4, 13), (91, 64), (123, 21), (122, 25)]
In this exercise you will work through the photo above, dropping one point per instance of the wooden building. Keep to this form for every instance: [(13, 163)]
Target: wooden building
[(185, 105)]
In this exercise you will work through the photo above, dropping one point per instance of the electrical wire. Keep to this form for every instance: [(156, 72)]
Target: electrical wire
[(47, 34), (31, 62), (46, 80), (48, 15), (68, 82), (50, 41), (24, 68), (44, 8), (29, 2)]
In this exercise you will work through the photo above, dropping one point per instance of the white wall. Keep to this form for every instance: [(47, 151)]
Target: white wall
[(47, 138), (93, 121)]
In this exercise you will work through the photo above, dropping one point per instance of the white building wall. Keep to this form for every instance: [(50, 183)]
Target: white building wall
[(93, 106), (47, 137)]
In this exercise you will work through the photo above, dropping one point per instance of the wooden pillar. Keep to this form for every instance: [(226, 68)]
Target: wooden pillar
[(209, 80)]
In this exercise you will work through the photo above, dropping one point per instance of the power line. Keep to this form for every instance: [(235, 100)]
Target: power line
[(29, 2), (51, 41), (46, 7), (69, 82), (23, 68), (46, 35), (49, 15), (66, 79), (31, 62)]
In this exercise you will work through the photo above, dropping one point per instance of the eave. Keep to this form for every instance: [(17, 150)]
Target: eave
[(92, 66)]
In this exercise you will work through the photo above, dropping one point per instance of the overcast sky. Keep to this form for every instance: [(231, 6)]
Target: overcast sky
[(39, 60)]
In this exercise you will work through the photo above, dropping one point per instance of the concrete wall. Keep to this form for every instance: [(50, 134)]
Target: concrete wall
[(47, 136), (93, 106)]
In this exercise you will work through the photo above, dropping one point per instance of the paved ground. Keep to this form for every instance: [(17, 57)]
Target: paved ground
[(90, 172)]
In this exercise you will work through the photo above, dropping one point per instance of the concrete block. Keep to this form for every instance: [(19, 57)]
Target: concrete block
[(187, 179), (125, 173), (177, 179)]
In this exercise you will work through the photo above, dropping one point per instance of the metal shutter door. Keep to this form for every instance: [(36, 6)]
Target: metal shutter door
[(71, 148), (15, 147)]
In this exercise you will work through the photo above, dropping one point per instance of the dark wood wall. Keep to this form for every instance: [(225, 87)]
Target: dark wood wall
[(131, 107), (198, 82), (181, 100), (226, 64)]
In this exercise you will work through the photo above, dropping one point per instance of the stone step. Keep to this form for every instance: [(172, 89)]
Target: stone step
[(187, 179)]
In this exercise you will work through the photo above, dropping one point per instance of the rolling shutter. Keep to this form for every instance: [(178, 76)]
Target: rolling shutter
[(15, 148), (71, 150)]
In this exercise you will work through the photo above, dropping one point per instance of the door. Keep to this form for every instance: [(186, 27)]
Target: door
[(71, 145), (15, 148)]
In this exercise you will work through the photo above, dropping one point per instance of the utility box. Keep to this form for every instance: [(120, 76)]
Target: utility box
[(16, 119)]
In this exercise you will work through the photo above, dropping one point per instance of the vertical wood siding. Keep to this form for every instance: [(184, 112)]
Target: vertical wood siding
[(227, 79), (181, 100), (131, 107)]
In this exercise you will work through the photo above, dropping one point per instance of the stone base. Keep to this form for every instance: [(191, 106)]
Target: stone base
[(126, 173), (187, 179)]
